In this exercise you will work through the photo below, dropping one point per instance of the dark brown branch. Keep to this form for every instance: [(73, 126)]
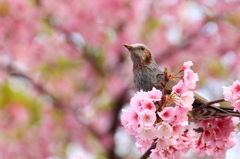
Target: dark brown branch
[(148, 152), (209, 103), (115, 121)]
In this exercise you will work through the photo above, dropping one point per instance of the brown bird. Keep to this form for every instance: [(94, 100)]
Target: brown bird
[(147, 75)]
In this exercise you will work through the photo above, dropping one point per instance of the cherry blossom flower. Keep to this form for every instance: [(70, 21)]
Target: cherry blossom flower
[(156, 154), (227, 93), (236, 88), (190, 78), (177, 129), (232, 94), (142, 145), (163, 143), (164, 130), (136, 102), (130, 121), (200, 148), (180, 88), (147, 117), (187, 99), (155, 94), (181, 116), (167, 113), (186, 65), (146, 132), (131, 116), (148, 104)]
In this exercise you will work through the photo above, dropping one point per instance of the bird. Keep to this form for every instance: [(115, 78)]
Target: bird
[(147, 75)]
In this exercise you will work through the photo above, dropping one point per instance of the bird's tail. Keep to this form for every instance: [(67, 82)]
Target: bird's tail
[(213, 112), (230, 112)]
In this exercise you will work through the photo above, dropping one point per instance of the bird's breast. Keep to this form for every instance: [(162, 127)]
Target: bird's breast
[(144, 80)]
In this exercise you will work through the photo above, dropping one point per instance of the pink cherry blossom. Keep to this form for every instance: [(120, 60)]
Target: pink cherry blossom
[(217, 137), (236, 105), (173, 153), (187, 99), (235, 88), (180, 116), (142, 94), (200, 148), (232, 94), (130, 121), (185, 141), (186, 65), (155, 94), (147, 117), (167, 113), (177, 130), (164, 130), (227, 93), (136, 102), (142, 145), (218, 152), (156, 154), (146, 132), (148, 104), (180, 88), (131, 116), (190, 78), (163, 143)]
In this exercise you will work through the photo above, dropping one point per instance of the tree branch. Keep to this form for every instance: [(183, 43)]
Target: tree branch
[(115, 121), (148, 152), (37, 86), (209, 103)]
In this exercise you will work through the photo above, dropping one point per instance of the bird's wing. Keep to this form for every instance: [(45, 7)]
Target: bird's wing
[(210, 111), (199, 100), (170, 84)]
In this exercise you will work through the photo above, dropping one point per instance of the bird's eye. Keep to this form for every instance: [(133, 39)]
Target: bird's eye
[(142, 48)]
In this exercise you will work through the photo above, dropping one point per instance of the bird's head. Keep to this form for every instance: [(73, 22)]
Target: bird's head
[(140, 54)]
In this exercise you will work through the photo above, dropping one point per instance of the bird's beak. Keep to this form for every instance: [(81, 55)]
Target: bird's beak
[(129, 47)]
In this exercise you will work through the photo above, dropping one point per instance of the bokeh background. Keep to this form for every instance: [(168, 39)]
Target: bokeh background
[(65, 75)]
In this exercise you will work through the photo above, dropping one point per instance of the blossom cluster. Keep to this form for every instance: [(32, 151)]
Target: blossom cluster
[(217, 137), (232, 94), (164, 120), (165, 125)]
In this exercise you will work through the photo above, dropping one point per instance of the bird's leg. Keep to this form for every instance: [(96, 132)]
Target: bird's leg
[(209, 103)]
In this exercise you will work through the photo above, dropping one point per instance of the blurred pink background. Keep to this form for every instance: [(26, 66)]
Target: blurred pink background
[(65, 75)]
